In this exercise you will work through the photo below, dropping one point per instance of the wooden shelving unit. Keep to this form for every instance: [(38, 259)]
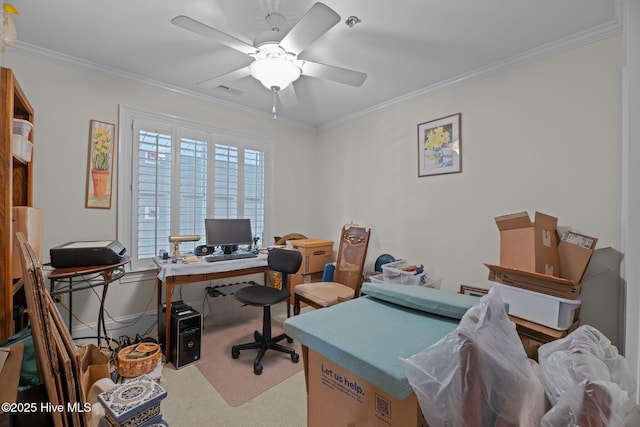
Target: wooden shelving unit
[(17, 176)]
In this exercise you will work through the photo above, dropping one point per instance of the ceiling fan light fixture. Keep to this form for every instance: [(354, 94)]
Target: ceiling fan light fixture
[(275, 68)]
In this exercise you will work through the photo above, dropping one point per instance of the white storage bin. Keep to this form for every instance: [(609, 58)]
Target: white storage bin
[(432, 281), (22, 127), (426, 278), (392, 273), (21, 147), (554, 312), (414, 280)]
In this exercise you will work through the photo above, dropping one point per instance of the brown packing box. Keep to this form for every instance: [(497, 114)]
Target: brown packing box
[(550, 285), (527, 245), (337, 397), (575, 251), (28, 221), (315, 254), (539, 333), (94, 365), (533, 335)]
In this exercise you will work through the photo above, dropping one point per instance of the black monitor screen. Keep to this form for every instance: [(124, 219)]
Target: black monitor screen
[(228, 232)]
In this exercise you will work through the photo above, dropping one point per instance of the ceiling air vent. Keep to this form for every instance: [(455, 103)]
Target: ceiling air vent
[(229, 90)]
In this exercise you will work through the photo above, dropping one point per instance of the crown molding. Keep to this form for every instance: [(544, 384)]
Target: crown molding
[(54, 57), (592, 35)]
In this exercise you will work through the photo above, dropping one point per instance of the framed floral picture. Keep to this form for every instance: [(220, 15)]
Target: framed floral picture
[(439, 150), (100, 168)]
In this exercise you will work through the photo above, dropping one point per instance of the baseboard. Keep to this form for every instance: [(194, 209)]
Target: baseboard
[(130, 325)]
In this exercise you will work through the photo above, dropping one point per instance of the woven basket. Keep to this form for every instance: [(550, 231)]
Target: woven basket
[(134, 367)]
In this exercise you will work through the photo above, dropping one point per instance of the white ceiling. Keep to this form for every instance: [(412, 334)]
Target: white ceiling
[(405, 46)]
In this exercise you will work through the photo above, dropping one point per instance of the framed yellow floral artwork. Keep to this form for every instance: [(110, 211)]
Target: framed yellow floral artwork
[(100, 168), (439, 149)]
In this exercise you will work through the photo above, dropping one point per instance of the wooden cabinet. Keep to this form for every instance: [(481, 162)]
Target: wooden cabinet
[(16, 179), (316, 253)]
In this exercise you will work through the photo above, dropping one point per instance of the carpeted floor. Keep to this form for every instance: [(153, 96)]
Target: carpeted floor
[(193, 401), (234, 378)]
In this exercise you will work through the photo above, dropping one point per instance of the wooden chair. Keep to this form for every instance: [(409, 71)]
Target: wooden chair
[(347, 278)]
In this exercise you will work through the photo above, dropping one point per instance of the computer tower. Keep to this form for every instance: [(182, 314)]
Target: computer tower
[(185, 332)]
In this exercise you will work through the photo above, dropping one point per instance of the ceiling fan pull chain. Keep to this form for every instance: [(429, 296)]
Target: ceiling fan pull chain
[(274, 104)]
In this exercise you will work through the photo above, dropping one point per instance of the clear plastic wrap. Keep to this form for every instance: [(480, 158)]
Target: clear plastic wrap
[(587, 382), (479, 374)]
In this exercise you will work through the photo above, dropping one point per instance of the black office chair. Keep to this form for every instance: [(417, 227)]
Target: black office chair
[(287, 262)]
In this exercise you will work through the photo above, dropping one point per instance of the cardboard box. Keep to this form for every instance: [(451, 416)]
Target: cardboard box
[(533, 335), (28, 221), (527, 245), (336, 397), (537, 282), (315, 254), (575, 252), (540, 334)]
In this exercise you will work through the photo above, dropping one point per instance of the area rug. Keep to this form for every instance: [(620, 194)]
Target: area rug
[(234, 378)]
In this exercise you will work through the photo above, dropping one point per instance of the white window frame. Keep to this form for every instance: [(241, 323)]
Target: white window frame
[(125, 204)]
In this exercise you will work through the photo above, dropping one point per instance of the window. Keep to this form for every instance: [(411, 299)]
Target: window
[(173, 174)]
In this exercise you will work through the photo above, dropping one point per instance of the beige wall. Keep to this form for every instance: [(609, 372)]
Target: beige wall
[(65, 98), (545, 136)]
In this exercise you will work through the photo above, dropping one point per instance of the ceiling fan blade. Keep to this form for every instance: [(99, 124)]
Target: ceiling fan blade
[(317, 21), (333, 73), (287, 97), (198, 27), (225, 78)]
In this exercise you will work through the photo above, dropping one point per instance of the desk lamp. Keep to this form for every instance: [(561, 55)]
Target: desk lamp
[(176, 240)]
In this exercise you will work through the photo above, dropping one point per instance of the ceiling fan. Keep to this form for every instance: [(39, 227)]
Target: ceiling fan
[(276, 64)]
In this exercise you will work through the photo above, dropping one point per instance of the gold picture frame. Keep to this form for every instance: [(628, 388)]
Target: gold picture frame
[(439, 146), (102, 144)]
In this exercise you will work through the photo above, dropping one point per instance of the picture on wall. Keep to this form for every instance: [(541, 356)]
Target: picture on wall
[(100, 168), (439, 150)]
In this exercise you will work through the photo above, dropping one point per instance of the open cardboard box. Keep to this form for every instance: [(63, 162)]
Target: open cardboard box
[(532, 256), (527, 245), (574, 253), (544, 283)]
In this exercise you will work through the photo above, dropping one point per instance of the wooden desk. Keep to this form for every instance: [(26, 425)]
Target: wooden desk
[(76, 280), (182, 274)]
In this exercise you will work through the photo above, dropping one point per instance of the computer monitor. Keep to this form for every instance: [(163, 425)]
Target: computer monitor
[(228, 233)]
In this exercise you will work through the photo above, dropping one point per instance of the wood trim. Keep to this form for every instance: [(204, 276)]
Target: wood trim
[(16, 176)]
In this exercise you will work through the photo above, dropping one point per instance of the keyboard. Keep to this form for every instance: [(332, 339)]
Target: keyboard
[(226, 257)]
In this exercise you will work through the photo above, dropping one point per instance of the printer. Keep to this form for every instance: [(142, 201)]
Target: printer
[(87, 253)]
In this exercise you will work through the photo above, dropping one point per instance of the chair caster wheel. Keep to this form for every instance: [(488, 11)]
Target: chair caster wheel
[(257, 369), (289, 340), (295, 357), (235, 353)]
